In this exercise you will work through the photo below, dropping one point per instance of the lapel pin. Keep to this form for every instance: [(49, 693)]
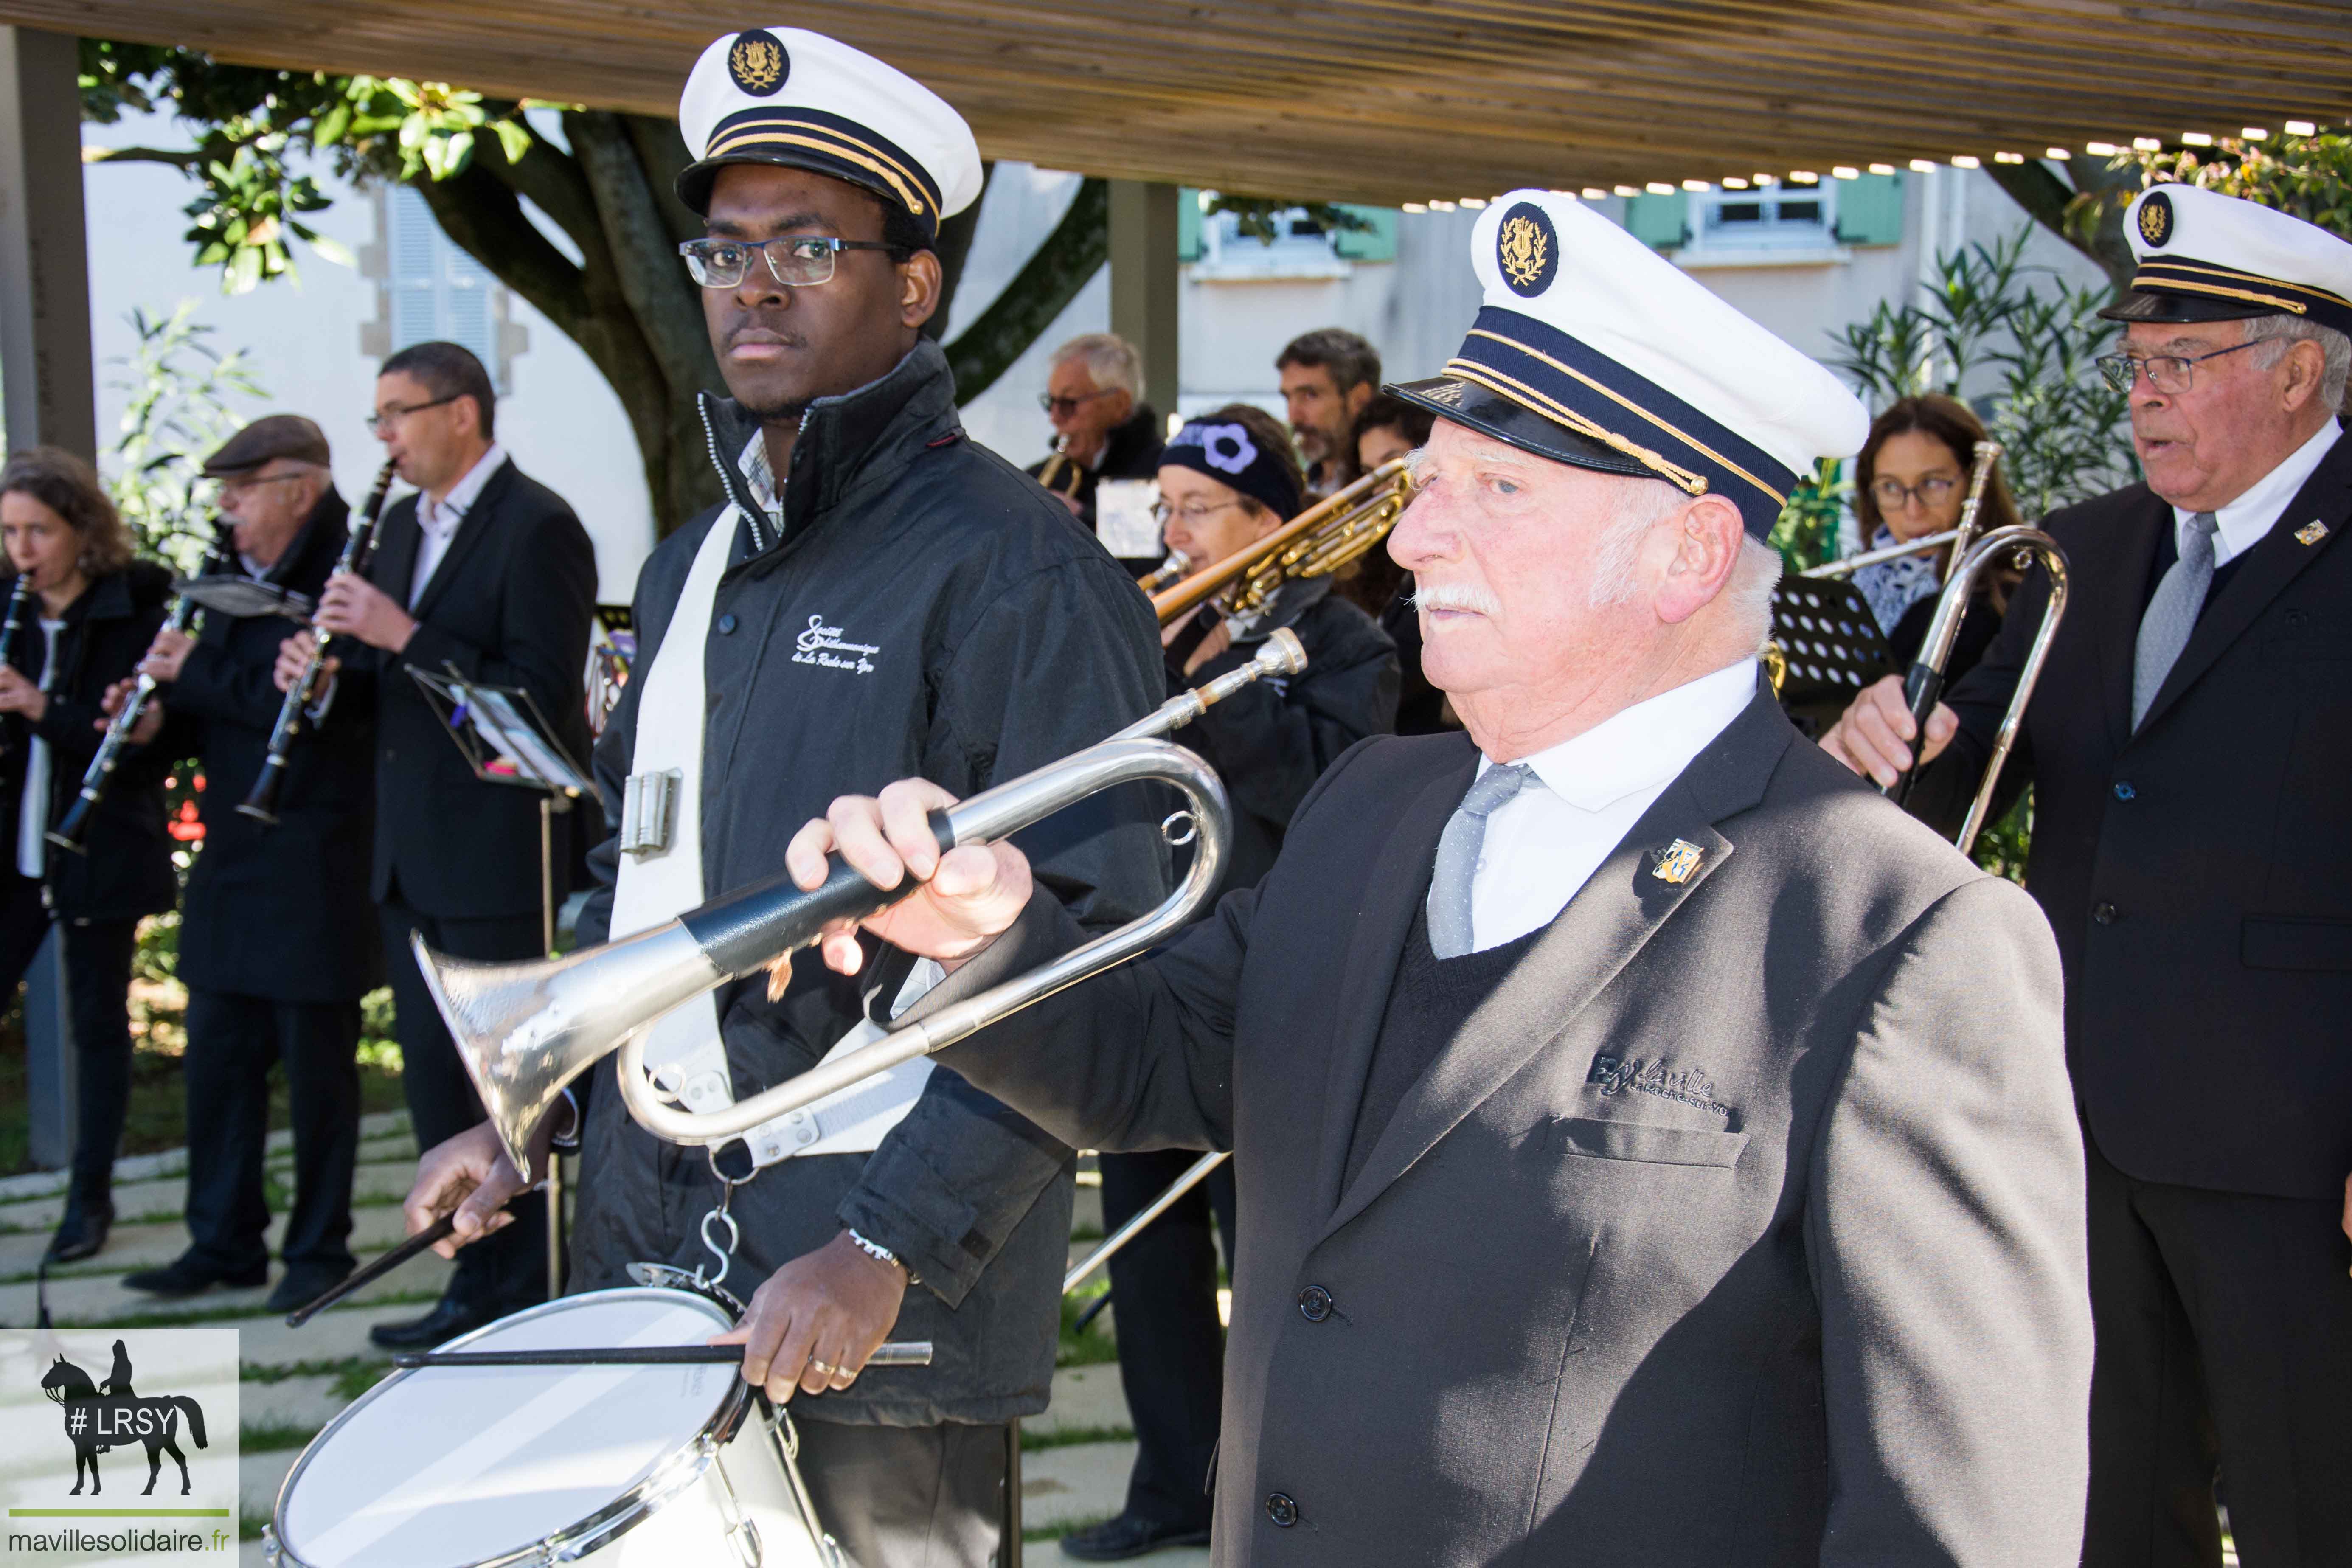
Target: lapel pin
[(2311, 532), (1677, 861)]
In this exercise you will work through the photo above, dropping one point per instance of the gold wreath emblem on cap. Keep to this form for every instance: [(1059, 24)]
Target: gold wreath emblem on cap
[(757, 63), (2156, 219), (1523, 250)]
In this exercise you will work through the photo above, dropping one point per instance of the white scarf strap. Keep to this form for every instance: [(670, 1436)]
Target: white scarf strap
[(661, 878)]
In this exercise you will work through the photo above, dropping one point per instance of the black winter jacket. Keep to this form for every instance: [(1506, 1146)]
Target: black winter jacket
[(928, 611), (276, 912), (1272, 740), (127, 869)]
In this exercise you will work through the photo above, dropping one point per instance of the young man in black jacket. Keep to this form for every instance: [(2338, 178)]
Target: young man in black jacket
[(877, 597), (489, 571), (274, 963)]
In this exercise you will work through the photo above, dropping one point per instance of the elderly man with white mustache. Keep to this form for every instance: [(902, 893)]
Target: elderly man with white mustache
[(1635, 1165)]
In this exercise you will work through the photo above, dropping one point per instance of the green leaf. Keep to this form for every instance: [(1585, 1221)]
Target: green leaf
[(330, 128), (243, 272), (515, 138), (332, 249), (456, 153)]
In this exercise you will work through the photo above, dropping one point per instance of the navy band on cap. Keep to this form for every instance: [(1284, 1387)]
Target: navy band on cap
[(801, 138), (2235, 293), (1573, 384), (1230, 455)]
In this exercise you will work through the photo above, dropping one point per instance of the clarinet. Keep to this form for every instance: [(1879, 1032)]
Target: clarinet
[(73, 833), (261, 801), (8, 631)]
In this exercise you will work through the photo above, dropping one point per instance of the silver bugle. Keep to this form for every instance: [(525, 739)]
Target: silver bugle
[(524, 1030)]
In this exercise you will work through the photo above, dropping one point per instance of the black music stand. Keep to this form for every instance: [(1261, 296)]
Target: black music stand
[(507, 740), (1831, 645)]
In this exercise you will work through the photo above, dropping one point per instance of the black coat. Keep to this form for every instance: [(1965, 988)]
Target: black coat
[(1271, 740), (509, 605), (2198, 871), (994, 636), (127, 870), (274, 911), (1741, 1223)]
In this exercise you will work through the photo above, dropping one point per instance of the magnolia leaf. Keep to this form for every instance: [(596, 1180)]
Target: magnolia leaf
[(331, 127), (332, 249), (243, 272), (456, 153)]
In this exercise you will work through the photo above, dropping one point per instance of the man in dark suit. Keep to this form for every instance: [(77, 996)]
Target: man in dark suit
[(274, 963), (489, 571), (2187, 745), (1638, 1165)]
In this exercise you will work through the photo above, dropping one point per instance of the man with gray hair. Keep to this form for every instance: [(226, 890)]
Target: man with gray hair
[(1654, 1148), (2188, 744), (1102, 427), (274, 945)]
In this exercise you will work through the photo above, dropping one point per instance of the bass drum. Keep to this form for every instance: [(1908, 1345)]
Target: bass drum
[(624, 1467)]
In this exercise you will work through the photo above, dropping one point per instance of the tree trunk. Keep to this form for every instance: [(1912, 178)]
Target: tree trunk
[(1040, 291), (2087, 215)]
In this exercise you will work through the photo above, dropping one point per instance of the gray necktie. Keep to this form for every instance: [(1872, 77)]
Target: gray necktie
[(1457, 857), (2172, 613)]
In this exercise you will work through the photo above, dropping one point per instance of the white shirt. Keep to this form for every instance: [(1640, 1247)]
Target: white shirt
[(438, 524), (2244, 522), (1544, 845)]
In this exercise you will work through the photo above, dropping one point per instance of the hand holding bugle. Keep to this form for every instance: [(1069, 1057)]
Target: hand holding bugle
[(261, 801)]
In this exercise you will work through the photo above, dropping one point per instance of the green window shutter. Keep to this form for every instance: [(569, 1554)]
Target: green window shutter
[(1658, 221), (1188, 224), (1377, 243), (1870, 210)]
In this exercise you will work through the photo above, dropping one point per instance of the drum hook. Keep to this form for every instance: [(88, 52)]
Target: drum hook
[(725, 1255)]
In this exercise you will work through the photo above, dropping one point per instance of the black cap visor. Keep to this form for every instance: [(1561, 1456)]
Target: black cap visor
[(2148, 305), (1475, 407)]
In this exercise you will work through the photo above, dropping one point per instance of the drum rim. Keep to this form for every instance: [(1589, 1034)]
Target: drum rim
[(665, 1479)]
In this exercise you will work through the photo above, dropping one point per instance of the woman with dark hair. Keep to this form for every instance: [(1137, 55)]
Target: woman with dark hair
[(89, 614), (1912, 480), (1226, 479), (1388, 428)]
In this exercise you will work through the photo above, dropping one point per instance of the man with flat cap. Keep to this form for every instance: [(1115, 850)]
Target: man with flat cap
[(276, 944), (1634, 1165), (2188, 744), (877, 597)]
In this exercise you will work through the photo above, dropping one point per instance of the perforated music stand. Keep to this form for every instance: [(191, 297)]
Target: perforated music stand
[(1831, 641)]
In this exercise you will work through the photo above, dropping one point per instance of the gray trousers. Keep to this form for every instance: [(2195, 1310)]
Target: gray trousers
[(908, 1496)]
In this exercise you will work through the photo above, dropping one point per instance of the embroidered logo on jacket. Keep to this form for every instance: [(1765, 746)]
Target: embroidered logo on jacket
[(821, 645), (1689, 1086)]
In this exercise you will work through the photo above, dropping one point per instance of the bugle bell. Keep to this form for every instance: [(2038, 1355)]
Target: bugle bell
[(524, 1030)]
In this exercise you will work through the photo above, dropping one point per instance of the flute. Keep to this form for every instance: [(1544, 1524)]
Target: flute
[(260, 803)]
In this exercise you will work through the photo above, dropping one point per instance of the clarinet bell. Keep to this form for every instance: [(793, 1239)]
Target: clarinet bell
[(260, 802), (73, 833)]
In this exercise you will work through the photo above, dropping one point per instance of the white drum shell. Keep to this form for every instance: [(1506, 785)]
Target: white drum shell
[(492, 1466)]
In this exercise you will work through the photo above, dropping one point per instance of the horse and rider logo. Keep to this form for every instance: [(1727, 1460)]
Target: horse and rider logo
[(113, 1417), (1527, 247)]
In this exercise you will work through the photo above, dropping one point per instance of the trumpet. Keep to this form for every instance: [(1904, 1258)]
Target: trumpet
[(524, 1030), (1167, 572), (260, 802), (1326, 536), (1923, 687), (74, 830)]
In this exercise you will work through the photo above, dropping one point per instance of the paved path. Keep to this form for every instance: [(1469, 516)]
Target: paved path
[(296, 1380)]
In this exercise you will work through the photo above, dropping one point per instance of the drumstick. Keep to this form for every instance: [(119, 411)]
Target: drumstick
[(374, 1270), (897, 1353)]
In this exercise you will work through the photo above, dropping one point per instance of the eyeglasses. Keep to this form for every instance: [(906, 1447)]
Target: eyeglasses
[(1163, 513), (384, 419), (797, 260), (1053, 405), (2168, 373), (1932, 492)]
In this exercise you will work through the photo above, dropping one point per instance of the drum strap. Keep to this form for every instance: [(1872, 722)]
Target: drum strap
[(661, 878)]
